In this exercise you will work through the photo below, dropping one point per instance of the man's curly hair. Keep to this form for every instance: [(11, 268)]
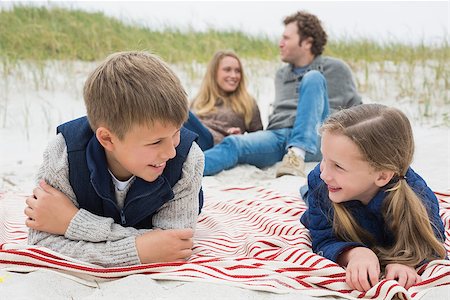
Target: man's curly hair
[(309, 25)]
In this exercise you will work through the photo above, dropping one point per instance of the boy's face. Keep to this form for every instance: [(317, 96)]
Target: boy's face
[(143, 151)]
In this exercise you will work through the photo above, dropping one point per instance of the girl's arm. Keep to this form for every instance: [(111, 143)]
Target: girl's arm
[(362, 268), (318, 219), (361, 263), (406, 276), (430, 201)]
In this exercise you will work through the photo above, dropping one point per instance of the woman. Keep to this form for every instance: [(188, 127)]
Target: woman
[(223, 105)]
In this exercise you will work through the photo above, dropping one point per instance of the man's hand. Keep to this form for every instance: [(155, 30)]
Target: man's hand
[(363, 268), (165, 245), (406, 276), (49, 210)]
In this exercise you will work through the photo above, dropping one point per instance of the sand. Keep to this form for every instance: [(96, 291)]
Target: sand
[(32, 105)]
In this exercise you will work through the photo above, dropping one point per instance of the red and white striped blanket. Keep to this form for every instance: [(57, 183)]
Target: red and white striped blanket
[(249, 237)]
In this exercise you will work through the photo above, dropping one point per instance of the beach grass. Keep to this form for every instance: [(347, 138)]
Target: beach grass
[(39, 33), (36, 35)]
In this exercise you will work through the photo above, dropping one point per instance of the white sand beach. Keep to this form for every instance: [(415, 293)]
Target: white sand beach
[(34, 101)]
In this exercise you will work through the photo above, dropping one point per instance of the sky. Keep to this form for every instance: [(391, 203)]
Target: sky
[(405, 21)]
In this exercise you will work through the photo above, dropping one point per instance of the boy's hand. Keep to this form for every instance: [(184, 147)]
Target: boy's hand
[(363, 268), (165, 245), (49, 210), (406, 276)]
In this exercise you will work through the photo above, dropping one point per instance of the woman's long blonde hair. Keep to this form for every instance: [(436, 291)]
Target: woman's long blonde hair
[(210, 93), (385, 139)]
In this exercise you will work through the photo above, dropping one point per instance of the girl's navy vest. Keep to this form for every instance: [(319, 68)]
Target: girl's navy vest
[(93, 187)]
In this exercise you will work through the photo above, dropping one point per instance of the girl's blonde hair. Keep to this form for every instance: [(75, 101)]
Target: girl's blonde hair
[(385, 139), (210, 93)]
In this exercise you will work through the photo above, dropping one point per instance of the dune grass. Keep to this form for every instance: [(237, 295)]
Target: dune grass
[(37, 34)]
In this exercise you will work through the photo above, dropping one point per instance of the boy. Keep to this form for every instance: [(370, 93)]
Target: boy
[(126, 168)]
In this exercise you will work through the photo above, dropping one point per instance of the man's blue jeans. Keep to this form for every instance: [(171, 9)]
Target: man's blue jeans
[(265, 148)]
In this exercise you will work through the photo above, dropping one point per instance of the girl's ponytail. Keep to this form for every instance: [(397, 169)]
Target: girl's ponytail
[(408, 220)]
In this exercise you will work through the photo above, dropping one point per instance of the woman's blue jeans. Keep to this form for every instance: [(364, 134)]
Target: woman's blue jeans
[(265, 148), (205, 139)]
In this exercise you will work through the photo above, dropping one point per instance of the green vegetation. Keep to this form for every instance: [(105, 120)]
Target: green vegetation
[(36, 35)]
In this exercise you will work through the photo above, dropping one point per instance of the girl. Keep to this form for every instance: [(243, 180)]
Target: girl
[(368, 210), (223, 105)]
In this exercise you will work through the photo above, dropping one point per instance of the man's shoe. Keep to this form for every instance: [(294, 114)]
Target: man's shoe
[(291, 165)]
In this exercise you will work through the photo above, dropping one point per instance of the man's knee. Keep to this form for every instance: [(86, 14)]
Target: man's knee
[(313, 77), (231, 142)]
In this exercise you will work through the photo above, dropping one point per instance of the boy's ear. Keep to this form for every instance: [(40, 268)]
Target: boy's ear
[(105, 137), (383, 177)]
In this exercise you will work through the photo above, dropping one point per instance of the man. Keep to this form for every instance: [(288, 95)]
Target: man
[(306, 91)]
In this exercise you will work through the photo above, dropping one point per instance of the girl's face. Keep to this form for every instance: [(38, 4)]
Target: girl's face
[(229, 74), (347, 175)]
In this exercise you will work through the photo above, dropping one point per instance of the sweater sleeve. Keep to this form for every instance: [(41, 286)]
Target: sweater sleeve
[(256, 123), (89, 237), (318, 218), (429, 200), (182, 210)]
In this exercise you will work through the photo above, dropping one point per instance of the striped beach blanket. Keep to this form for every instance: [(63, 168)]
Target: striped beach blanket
[(246, 236)]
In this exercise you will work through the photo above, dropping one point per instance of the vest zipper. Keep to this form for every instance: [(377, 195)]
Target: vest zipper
[(122, 217)]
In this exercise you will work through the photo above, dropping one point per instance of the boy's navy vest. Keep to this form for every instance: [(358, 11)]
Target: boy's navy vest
[(94, 189)]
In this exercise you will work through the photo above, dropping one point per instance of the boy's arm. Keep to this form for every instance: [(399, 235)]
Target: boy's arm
[(116, 245), (97, 239), (84, 225), (108, 254), (182, 211)]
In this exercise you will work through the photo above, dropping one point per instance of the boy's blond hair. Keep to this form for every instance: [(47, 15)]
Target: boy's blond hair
[(134, 88)]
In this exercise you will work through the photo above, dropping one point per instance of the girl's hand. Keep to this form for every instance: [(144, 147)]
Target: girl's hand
[(363, 268), (405, 275), (49, 210), (234, 130)]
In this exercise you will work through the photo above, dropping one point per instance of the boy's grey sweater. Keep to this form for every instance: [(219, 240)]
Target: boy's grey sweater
[(98, 240), (341, 90)]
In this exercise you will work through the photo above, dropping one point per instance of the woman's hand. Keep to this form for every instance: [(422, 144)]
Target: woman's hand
[(49, 210), (234, 130), (405, 275)]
